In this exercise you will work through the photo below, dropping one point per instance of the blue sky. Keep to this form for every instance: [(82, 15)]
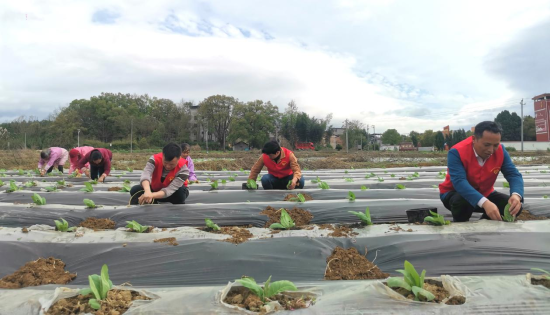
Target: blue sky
[(409, 65)]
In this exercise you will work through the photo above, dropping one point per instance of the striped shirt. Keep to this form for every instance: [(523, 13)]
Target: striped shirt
[(178, 181)]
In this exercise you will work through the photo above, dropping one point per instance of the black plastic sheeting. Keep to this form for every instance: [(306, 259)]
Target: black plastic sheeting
[(118, 198), (204, 262), (168, 216)]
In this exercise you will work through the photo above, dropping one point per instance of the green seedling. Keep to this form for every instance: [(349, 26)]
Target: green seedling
[(323, 185), (61, 183), (400, 186), (136, 227), (349, 179), (269, 289), (251, 184), (442, 175), (38, 200), (224, 181), (363, 188), (507, 216), (30, 184), (506, 185), (543, 172), (89, 203), (118, 176), (545, 196), (242, 170), (298, 198), (288, 184), (20, 172), (89, 188), (436, 219), (93, 182), (351, 196), (392, 175), (127, 181), (224, 169), (380, 179), (545, 275), (13, 187), (214, 184), (211, 225), (411, 282), (346, 172), (286, 221), (364, 217), (1, 183), (51, 188), (125, 188), (99, 287), (315, 181), (63, 226), (435, 186), (73, 175), (123, 173), (385, 172), (415, 174), (129, 169), (231, 178)]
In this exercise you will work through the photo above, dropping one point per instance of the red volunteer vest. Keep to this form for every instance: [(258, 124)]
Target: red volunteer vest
[(281, 169), (482, 178), (156, 183)]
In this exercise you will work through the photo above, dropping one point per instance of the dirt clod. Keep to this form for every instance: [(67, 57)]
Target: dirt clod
[(242, 297), (38, 272), (294, 197), (300, 216), (437, 289), (117, 302), (98, 224), (543, 282), (25, 230), (338, 231), (168, 240), (114, 189), (348, 264), (238, 235), (528, 216)]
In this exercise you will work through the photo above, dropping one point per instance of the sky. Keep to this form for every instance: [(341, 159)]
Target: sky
[(407, 65)]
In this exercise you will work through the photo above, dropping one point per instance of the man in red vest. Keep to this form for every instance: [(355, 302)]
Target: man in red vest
[(473, 167), (282, 168), (163, 179)]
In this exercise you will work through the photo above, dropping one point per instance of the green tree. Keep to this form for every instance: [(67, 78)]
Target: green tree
[(427, 139), (511, 125), (391, 136), (253, 122), (217, 112), (529, 131), (414, 137), (439, 141), (288, 123)]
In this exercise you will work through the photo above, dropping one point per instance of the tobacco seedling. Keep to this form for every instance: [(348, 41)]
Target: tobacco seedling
[(400, 186), (93, 182), (507, 216), (214, 184), (89, 203), (411, 282), (286, 221), (506, 185), (415, 174), (224, 181), (125, 188), (21, 172), (351, 196), (30, 184), (380, 179), (315, 181), (89, 188), (545, 196), (363, 188), (99, 286), (436, 219), (63, 226), (130, 169), (231, 178), (74, 174), (364, 217), (136, 226), (127, 181), (61, 183), (51, 188), (38, 200), (288, 184), (1, 183), (211, 225), (269, 289), (545, 275), (251, 184), (349, 179), (392, 175), (224, 169), (323, 185), (442, 175), (346, 172), (13, 187), (298, 198)]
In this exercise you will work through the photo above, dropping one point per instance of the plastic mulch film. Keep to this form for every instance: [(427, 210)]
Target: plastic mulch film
[(65, 293), (451, 284), (270, 307), (489, 295)]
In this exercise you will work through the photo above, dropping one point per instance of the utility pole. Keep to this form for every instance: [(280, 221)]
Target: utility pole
[(347, 143), (206, 133), (78, 137), (521, 104), (25, 140), (374, 134), (131, 135), (368, 138)]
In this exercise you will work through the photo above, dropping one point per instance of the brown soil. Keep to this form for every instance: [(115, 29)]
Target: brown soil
[(338, 231), (38, 272), (527, 216), (168, 240), (543, 282), (291, 196), (25, 230), (238, 235), (397, 228), (242, 297), (117, 302), (436, 288), (98, 224), (348, 264), (300, 216), (114, 189)]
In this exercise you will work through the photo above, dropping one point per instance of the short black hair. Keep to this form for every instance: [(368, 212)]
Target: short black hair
[(96, 155), (491, 126), (271, 147), (185, 147), (171, 151), (45, 154)]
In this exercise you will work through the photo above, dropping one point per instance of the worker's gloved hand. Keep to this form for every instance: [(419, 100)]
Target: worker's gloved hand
[(492, 211)]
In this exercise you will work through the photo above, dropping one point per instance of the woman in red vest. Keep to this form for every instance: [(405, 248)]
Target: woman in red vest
[(163, 178), (282, 168), (473, 168)]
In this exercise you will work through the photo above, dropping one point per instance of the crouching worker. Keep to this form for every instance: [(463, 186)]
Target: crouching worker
[(52, 157), (282, 168), (100, 163), (185, 151), (75, 155), (474, 165), (163, 178)]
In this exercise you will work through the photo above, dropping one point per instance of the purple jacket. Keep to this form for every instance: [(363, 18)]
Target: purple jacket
[(58, 156), (191, 167)]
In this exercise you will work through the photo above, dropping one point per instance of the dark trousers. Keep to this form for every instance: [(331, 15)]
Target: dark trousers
[(96, 171), (59, 168), (178, 197), (462, 210), (271, 182)]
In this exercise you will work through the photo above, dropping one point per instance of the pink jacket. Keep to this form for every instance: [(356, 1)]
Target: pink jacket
[(82, 151), (58, 156)]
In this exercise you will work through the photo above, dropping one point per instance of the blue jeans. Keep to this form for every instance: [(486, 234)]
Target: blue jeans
[(271, 182)]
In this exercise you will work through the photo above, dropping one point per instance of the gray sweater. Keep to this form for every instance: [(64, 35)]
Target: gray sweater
[(178, 181)]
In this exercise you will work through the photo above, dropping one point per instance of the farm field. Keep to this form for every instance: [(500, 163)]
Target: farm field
[(338, 262)]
